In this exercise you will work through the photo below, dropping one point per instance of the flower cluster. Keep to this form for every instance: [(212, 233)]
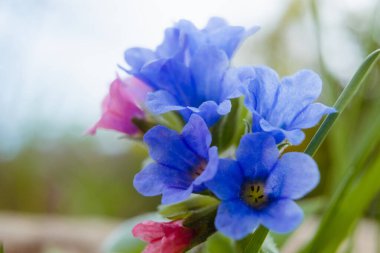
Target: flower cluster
[(190, 75)]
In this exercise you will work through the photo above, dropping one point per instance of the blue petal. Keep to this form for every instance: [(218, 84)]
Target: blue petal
[(295, 175), (151, 180), (197, 136), (281, 216), (295, 93), (211, 111), (211, 168), (310, 116), (173, 195), (295, 137), (264, 89), (172, 45), (137, 57), (167, 148), (226, 184), (235, 219), (226, 37), (208, 67), (232, 85), (257, 154), (162, 101)]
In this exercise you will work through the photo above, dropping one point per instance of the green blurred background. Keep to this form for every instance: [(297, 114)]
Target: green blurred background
[(47, 165)]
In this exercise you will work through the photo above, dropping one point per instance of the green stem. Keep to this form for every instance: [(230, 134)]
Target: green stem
[(345, 97)]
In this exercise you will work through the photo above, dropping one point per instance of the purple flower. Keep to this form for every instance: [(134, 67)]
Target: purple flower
[(183, 162), (122, 104), (259, 187), (283, 108)]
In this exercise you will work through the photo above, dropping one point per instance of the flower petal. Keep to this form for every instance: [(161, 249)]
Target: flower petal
[(152, 179), (281, 216), (226, 184), (211, 111), (171, 195), (263, 88), (137, 57), (295, 93), (167, 148), (208, 67), (197, 136), (257, 153), (235, 219), (310, 116), (295, 175), (211, 168), (162, 101)]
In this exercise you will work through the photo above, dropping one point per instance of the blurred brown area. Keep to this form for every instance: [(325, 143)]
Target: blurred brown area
[(48, 234)]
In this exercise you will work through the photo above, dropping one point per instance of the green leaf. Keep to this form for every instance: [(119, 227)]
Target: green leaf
[(185, 208), (219, 243), (252, 243), (122, 240), (345, 97), (269, 246), (351, 207), (357, 162), (1, 248)]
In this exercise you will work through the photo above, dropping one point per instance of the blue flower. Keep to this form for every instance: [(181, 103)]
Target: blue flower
[(183, 162), (259, 187), (183, 40), (190, 71), (205, 87), (283, 108)]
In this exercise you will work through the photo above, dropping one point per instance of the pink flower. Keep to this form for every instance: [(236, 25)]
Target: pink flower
[(163, 237), (121, 105)]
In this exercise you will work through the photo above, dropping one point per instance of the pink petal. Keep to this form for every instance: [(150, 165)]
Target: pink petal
[(121, 105)]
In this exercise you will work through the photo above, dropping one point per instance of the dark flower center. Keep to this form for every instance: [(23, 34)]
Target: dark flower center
[(197, 171), (253, 194)]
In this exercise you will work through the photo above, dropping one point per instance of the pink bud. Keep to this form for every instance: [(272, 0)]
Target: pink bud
[(122, 104), (163, 237)]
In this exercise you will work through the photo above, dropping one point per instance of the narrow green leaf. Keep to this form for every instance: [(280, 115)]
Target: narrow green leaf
[(253, 242), (1, 248), (346, 216), (346, 96), (361, 153)]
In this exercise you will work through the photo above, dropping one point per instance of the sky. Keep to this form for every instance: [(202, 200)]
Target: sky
[(57, 57)]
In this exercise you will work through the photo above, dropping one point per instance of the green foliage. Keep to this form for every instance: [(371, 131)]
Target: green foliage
[(188, 207), (219, 243)]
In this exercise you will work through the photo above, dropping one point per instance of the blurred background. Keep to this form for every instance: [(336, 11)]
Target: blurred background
[(63, 191)]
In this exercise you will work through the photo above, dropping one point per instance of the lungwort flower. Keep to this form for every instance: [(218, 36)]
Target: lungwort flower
[(190, 71), (183, 162), (259, 188), (182, 41), (122, 104), (167, 237), (283, 108)]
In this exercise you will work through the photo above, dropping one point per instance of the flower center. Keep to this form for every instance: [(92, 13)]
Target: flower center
[(197, 171), (253, 194)]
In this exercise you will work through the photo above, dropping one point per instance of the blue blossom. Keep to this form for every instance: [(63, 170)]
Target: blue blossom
[(205, 87), (182, 41), (183, 162), (283, 108), (190, 71), (259, 187)]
